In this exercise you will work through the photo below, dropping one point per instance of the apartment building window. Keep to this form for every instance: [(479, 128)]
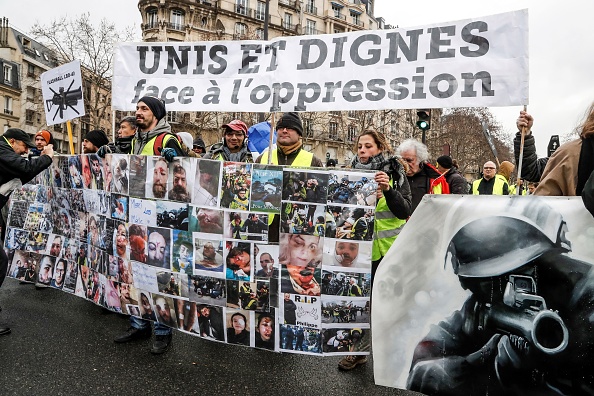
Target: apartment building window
[(84, 128), (240, 30), (151, 18), (177, 19), (351, 133), (260, 34), (260, 10), (310, 27), (307, 127), (242, 7), (288, 21), (172, 117), (335, 113), (29, 117), (310, 7), (8, 74), (336, 10), (352, 114), (356, 18), (333, 131), (8, 105), (30, 70)]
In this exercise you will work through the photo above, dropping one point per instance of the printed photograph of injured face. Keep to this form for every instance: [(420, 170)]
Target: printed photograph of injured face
[(86, 171), (238, 330), (120, 174), (156, 178), (206, 185), (356, 226), (179, 188), (138, 242), (206, 220), (75, 170), (159, 254), (208, 255), (265, 337), (342, 253), (164, 307), (300, 250), (238, 261)]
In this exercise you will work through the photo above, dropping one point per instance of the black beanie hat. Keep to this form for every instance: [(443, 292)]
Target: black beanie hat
[(291, 120), (156, 106), (445, 161), (97, 137)]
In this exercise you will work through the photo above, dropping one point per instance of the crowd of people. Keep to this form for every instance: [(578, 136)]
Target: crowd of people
[(403, 176)]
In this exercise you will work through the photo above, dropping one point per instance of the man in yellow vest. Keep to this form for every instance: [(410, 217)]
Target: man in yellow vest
[(489, 184), (153, 137), (289, 151)]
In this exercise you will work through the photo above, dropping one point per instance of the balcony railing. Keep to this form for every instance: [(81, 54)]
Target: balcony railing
[(358, 22), (6, 111), (289, 3), (288, 25), (151, 25), (175, 26)]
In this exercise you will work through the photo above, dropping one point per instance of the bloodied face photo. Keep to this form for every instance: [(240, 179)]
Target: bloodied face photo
[(157, 176), (120, 173), (137, 175), (206, 184)]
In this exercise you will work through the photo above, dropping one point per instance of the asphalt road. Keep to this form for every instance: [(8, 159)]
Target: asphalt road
[(63, 345)]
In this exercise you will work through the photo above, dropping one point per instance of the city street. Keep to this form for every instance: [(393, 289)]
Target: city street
[(62, 345)]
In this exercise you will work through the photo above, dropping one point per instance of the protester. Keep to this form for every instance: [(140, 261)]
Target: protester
[(569, 171), (93, 140), (490, 184), (422, 177), (125, 135), (153, 136), (234, 146), (198, 146), (42, 139), (16, 170), (393, 206), (289, 151), (448, 167), (185, 141)]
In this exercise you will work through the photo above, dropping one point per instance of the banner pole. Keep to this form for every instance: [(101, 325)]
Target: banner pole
[(271, 138), (523, 133), (113, 125), (69, 128)]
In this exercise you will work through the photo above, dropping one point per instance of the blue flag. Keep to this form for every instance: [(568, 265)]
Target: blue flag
[(259, 136)]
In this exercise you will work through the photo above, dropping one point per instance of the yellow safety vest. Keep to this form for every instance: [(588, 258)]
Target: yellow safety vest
[(386, 228), (497, 186), (149, 148), (303, 159)]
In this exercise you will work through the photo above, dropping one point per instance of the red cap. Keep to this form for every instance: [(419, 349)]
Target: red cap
[(237, 125)]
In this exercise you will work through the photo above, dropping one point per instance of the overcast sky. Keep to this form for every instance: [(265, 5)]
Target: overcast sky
[(561, 45)]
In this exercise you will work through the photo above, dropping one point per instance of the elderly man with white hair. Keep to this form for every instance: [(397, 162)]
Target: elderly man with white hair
[(489, 184)]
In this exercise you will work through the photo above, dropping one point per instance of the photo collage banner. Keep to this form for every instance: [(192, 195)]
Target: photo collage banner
[(258, 255)]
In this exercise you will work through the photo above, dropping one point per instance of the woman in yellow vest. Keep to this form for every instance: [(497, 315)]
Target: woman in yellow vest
[(393, 203)]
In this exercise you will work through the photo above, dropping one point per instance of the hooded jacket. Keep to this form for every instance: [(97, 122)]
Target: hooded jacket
[(142, 138)]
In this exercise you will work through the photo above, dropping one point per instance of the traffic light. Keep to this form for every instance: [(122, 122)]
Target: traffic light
[(424, 119)]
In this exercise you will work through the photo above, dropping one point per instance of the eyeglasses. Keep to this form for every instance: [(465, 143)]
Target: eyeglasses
[(236, 134), (488, 167)]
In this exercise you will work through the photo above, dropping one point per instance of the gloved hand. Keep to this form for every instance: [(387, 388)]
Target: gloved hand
[(168, 153), (513, 362), (104, 150)]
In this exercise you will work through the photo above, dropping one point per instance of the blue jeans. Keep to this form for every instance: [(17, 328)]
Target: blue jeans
[(142, 324)]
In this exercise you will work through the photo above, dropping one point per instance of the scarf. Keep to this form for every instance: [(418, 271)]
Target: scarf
[(585, 165), (289, 149), (379, 163), (235, 157)]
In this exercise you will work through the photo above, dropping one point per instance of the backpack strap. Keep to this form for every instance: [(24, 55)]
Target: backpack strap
[(158, 145)]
